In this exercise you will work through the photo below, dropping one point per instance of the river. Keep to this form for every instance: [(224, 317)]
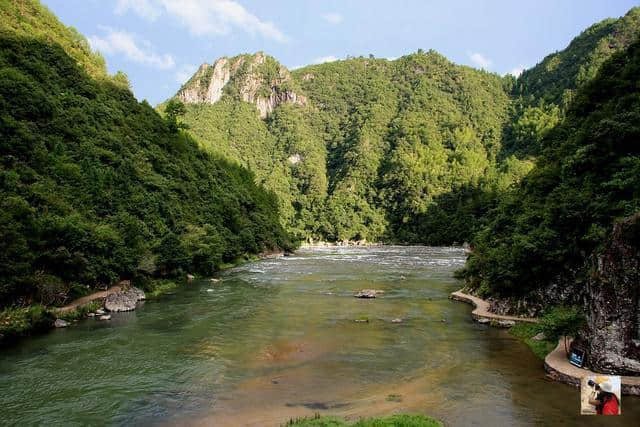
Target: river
[(278, 338)]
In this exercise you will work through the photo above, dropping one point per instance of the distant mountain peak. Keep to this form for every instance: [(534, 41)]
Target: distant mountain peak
[(258, 79)]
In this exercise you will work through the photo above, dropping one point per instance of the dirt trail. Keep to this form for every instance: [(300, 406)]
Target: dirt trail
[(87, 299)]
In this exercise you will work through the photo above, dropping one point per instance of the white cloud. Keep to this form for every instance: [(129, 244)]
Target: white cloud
[(332, 18), (323, 59), (120, 42), (185, 72), (516, 71), (145, 8), (480, 60), (205, 17)]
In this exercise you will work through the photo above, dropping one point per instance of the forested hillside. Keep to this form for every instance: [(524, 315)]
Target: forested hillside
[(95, 186), (543, 93), (413, 150), (586, 179), (379, 150)]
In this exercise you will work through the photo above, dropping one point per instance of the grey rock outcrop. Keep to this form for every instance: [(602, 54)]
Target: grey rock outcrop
[(613, 302), (258, 79), (124, 300)]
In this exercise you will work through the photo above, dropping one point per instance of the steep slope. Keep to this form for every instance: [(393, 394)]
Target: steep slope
[(29, 18), (557, 76), (544, 91), (586, 178), (95, 186)]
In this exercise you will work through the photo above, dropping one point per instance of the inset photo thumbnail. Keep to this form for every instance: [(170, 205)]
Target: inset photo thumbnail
[(600, 395)]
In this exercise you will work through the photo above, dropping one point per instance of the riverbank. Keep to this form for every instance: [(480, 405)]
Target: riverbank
[(555, 359), (559, 369), (21, 322)]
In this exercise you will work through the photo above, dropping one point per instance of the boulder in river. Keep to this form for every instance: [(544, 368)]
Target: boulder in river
[(59, 323), (105, 317), (368, 293), (398, 320), (100, 312), (124, 300)]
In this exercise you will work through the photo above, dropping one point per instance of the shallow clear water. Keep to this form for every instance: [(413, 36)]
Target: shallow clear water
[(278, 338)]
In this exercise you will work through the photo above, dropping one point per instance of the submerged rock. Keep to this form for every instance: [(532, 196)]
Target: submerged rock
[(398, 320), (123, 300), (59, 323), (368, 293), (483, 320), (105, 317)]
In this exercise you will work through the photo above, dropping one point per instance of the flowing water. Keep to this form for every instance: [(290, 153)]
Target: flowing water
[(278, 338)]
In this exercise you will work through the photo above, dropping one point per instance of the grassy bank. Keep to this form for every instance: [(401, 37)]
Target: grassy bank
[(20, 322), (526, 332), (392, 421)]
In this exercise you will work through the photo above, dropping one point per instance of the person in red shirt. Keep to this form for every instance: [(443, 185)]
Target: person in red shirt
[(606, 402)]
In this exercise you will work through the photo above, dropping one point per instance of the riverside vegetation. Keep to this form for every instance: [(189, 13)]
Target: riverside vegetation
[(535, 172)]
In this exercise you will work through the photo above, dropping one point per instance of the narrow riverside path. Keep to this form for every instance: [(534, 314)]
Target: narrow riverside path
[(558, 367), (556, 363), (481, 310), (87, 299)]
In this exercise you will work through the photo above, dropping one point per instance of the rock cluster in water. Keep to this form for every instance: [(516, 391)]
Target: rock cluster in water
[(368, 293), (125, 300)]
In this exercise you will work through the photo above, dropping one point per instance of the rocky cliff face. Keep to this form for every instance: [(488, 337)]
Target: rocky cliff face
[(258, 79), (613, 302), (610, 297)]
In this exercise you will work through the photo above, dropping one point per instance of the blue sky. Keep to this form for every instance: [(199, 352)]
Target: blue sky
[(160, 43)]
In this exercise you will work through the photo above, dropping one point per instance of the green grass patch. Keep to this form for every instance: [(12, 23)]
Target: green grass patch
[(24, 321), (156, 288), (526, 331), (392, 421), (81, 311)]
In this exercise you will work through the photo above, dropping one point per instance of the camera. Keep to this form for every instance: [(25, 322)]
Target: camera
[(593, 384)]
